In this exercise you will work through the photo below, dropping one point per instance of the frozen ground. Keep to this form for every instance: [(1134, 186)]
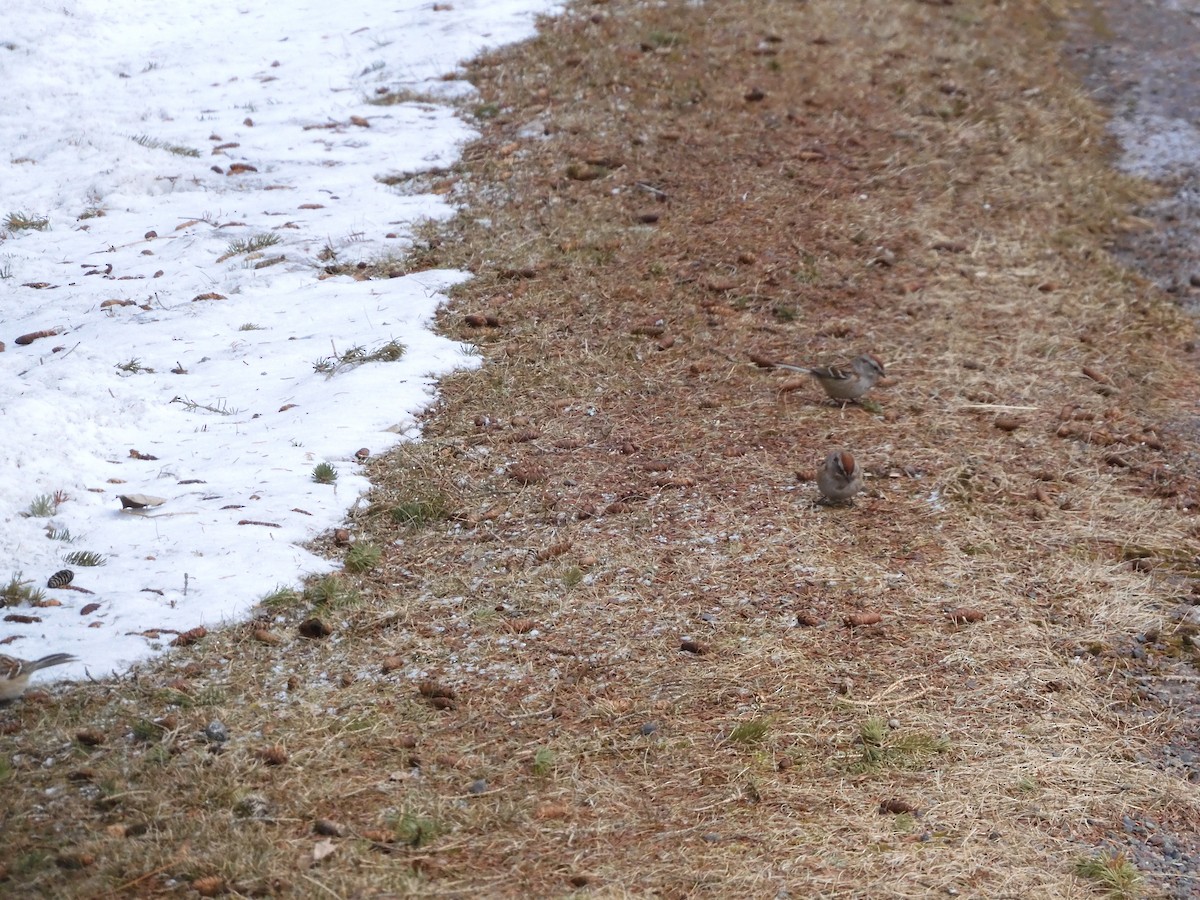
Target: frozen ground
[(170, 364)]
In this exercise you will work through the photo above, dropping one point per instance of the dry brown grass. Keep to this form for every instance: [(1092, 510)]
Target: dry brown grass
[(507, 709)]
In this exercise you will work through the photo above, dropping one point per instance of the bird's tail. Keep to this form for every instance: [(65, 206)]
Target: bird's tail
[(54, 659)]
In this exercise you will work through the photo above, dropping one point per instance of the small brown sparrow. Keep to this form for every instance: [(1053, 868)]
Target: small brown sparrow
[(839, 477), (14, 672), (846, 381)]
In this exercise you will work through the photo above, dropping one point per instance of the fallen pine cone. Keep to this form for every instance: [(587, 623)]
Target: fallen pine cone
[(35, 335), (61, 578), (90, 737), (275, 755), (209, 885), (896, 806), (556, 549), (1007, 423), (328, 828), (314, 628), (1096, 375), (527, 473), (476, 320), (863, 618), (433, 689), (190, 636), (965, 614)]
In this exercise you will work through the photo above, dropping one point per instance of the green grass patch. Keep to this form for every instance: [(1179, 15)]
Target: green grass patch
[(416, 830), (251, 244), (1112, 873), (282, 597), (85, 558), (363, 557), (330, 591), (419, 512), (881, 748), (750, 732), (543, 762), (155, 144)]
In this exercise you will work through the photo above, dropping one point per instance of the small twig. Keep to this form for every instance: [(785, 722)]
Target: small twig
[(330, 891), (985, 407), (121, 888), (878, 698), (42, 359), (192, 405), (651, 189), (530, 715)]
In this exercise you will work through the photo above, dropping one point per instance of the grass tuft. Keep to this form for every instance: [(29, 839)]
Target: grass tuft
[(882, 749), (543, 762), (398, 96), (42, 506), (19, 590), (750, 732), (84, 558), (389, 351), (21, 221), (363, 557), (417, 830), (252, 244), (1115, 875), (420, 511), (330, 591), (133, 367), (155, 144), (282, 597), (324, 473)]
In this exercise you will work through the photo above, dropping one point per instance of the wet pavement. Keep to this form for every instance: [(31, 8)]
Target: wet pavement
[(1141, 61)]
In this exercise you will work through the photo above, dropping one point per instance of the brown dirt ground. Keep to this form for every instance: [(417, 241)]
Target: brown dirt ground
[(605, 650)]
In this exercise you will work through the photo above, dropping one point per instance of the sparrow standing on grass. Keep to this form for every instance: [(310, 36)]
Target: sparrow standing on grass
[(14, 672), (839, 477), (844, 382)]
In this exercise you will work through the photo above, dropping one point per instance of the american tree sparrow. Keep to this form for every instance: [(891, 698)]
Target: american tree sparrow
[(846, 381), (839, 477), (14, 672)]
